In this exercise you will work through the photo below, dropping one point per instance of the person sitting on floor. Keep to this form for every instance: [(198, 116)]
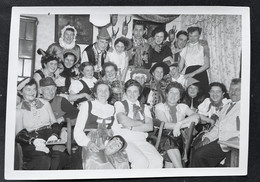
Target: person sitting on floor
[(226, 128)]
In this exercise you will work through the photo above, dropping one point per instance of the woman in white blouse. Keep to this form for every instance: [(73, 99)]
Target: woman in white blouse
[(174, 115), (195, 58)]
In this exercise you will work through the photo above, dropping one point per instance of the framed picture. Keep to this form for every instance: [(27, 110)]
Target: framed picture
[(80, 22)]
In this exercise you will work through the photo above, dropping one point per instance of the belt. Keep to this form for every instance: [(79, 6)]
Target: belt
[(41, 128)]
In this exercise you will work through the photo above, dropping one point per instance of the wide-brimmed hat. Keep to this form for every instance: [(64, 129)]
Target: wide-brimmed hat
[(22, 83), (103, 34), (165, 67), (191, 81), (141, 71), (127, 42), (47, 82)]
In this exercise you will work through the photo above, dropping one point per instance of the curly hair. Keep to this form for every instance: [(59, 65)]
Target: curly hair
[(175, 85), (221, 86)]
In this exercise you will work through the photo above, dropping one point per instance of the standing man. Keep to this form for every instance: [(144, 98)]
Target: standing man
[(138, 55), (178, 45), (213, 153), (96, 53)]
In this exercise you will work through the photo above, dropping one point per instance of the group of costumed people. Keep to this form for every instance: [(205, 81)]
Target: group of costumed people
[(113, 92)]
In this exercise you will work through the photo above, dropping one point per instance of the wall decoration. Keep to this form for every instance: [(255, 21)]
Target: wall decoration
[(80, 22)]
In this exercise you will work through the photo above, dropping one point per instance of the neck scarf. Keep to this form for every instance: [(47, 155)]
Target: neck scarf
[(65, 45)]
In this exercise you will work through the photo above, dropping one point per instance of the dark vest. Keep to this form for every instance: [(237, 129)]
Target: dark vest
[(91, 55), (85, 89), (92, 119), (56, 107)]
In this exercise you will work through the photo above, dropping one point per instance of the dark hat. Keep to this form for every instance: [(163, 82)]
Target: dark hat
[(191, 81), (127, 42), (71, 51), (141, 71), (174, 65), (160, 29), (165, 67), (103, 34), (22, 83), (47, 81)]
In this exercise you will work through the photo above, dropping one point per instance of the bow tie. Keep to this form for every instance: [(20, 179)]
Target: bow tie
[(34, 104)]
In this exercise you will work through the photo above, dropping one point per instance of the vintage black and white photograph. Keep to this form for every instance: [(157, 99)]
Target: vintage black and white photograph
[(127, 92)]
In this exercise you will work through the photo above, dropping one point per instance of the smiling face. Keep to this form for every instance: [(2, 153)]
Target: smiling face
[(102, 44), (49, 92), (68, 36), (102, 93), (29, 92), (173, 96), (193, 91), (113, 146), (235, 92), (158, 38), (182, 41), (158, 73), (51, 66), (216, 94), (132, 93), (194, 37), (173, 71), (119, 47), (88, 72), (140, 78), (110, 73), (69, 61)]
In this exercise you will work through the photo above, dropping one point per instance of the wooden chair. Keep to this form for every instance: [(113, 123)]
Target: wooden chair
[(187, 134), (18, 159)]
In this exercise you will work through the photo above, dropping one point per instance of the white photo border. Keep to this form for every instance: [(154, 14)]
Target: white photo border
[(10, 173)]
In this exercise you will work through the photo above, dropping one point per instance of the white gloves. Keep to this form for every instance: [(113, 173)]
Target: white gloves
[(176, 129), (52, 138), (40, 145)]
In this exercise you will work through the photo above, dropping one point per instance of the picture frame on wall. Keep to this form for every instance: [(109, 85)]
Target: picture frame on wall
[(80, 22)]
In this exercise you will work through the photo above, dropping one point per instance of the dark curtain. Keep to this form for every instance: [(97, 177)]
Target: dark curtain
[(159, 18)]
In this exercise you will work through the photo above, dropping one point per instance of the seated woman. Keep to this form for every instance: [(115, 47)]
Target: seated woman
[(36, 124), (193, 96), (67, 73), (143, 77), (209, 111), (81, 90), (113, 79), (49, 66), (132, 121), (174, 116), (93, 126), (119, 55)]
